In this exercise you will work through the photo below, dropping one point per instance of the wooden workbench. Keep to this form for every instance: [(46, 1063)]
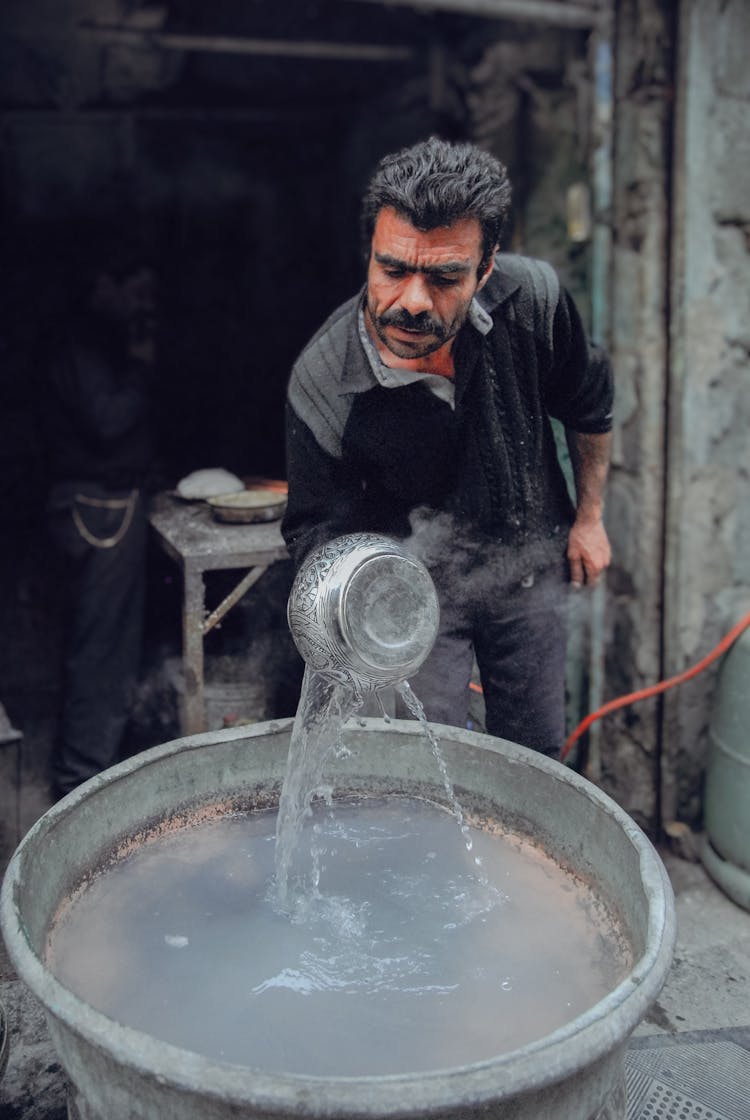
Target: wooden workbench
[(188, 532)]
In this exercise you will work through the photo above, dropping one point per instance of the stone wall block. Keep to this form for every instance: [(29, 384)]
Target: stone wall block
[(732, 280), (729, 142), (709, 507), (630, 749), (731, 71), (629, 761)]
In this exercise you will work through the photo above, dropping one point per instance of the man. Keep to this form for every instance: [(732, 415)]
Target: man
[(100, 449), (422, 408)]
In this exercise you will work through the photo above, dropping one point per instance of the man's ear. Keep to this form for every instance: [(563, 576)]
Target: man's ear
[(488, 270)]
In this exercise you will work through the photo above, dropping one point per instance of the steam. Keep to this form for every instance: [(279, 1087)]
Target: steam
[(474, 568)]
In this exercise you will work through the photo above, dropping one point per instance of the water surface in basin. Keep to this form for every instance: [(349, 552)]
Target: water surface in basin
[(408, 955)]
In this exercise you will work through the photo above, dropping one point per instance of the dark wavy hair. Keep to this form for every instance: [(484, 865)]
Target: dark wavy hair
[(436, 183)]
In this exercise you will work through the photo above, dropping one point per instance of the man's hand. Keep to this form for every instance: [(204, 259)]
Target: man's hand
[(588, 544), (588, 551)]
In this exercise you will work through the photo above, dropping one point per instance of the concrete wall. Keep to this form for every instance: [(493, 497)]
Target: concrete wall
[(679, 501), (630, 738), (707, 587)]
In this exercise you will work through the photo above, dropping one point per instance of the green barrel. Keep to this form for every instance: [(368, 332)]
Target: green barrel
[(726, 843)]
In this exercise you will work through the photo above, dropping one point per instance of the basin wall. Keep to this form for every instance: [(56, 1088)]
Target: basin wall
[(576, 1073)]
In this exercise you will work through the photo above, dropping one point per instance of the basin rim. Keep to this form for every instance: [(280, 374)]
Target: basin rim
[(599, 1030)]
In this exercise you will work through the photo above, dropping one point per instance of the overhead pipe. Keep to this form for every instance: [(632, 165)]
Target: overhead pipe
[(581, 15), (236, 44)]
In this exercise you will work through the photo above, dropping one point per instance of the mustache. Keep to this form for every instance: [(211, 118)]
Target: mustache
[(423, 323)]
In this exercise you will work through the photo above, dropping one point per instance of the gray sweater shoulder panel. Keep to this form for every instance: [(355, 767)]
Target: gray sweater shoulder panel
[(315, 387), (535, 288)]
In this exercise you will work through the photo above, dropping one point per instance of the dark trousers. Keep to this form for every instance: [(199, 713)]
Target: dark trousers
[(102, 535), (517, 633)]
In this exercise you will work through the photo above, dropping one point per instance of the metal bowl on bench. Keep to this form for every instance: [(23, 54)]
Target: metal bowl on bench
[(248, 506)]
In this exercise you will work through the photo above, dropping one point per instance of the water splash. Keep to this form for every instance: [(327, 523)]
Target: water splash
[(325, 705), (414, 704), (381, 705)]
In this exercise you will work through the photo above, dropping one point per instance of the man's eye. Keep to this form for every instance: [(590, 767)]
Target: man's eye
[(445, 281), (394, 273)]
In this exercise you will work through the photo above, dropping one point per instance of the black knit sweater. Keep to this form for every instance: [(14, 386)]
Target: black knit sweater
[(362, 457)]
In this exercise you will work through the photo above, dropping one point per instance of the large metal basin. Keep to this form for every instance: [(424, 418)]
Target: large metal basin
[(575, 1073)]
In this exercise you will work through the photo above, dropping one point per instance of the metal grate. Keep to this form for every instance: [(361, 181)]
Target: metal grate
[(688, 1081)]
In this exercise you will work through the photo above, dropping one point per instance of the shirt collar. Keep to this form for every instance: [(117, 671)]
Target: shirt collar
[(500, 286), (359, 373), (479, 318), (393, 376)]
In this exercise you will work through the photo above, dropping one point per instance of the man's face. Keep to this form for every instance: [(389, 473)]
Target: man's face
[(420, 284)]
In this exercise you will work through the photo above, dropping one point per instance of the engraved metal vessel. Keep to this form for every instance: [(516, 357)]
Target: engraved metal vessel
[(364, 610)]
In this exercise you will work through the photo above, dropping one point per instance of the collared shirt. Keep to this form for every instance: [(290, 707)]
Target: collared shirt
[(391, 377)]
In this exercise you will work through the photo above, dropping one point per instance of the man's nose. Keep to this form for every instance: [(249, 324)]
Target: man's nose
[(415, 295)]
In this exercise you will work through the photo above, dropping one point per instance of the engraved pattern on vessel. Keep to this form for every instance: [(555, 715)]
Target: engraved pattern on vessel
[(309, 608), (313, 608)]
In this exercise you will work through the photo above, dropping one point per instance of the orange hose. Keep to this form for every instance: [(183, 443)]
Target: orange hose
[(655, 689), (651, 690)]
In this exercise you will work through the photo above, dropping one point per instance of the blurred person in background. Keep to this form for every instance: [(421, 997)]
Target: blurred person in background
[(99, 441)]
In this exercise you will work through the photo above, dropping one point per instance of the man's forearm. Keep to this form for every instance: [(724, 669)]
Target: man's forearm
[(588, 546), (590, 456)]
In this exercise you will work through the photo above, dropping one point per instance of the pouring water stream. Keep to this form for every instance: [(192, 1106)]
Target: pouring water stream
[(325, 705), (365, 614)]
